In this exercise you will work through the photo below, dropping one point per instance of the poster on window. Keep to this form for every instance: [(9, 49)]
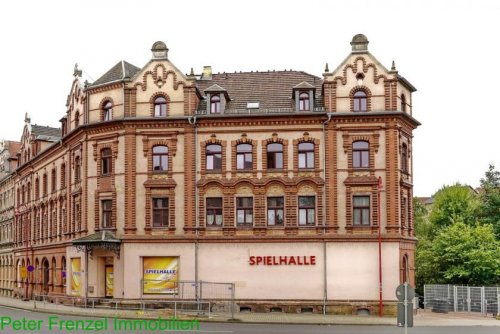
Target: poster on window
[(160, 275), (76, 276)]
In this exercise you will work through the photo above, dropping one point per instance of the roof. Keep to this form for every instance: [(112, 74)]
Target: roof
[(118, 72), (45, 132), (102, 236), (272, 89)]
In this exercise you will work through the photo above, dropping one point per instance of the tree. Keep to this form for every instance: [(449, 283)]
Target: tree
[(490, 199), (452, 204), (464, 254)]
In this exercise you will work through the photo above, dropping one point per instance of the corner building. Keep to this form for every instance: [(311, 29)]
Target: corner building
[(278, 181)]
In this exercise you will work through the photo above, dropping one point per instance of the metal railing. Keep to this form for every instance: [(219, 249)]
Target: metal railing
[(455, 298), (240, 111)]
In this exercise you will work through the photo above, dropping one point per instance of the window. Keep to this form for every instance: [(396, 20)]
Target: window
[(214, 157), (406, 269), (404, 211), (160, 158), (304, 102), (29, 192), (275, 211), (53, 181), (404, 158), (37, 188), (214, 211), (23, 194), (361, 210), (78, 169), (306, 155), (244, 156), (160, 212), (77, 119), (307, 210), (106, 161), (275, 156), (215, 104), (244, 211), (107, 111), (160, 106), (45, 186), (360, 154), (107, 211), (63, 176), (403, 102), (360, 101)]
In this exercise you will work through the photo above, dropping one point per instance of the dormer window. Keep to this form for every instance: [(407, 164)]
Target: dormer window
[(215, 104), (107, 111), (360, 101), (160, 106), (304, 102)]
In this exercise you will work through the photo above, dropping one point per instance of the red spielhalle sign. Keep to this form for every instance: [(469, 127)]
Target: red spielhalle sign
[(283, 260)]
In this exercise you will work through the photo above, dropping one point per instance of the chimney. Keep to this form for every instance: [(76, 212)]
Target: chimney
[(207, 73)]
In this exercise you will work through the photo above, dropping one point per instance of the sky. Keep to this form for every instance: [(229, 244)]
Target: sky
[(447, 49)]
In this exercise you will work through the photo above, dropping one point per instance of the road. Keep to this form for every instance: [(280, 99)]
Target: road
[(10, 316)]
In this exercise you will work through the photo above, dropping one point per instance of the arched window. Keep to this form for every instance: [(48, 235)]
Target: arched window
[(63, 176), (403, 102), (404, 158), (360, 101), (107, 111), (37, 188), (306, 155), (160, 106), (304, 104), (45, 186), (29, 192), (215, 104), (160, 158), (106, 161), (275, 156), (214, 157), (63, 273), (244, 156), (406, 269), (360, 154), (53, 185)]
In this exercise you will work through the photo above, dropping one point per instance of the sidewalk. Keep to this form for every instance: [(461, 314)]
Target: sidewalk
[(424, 318)]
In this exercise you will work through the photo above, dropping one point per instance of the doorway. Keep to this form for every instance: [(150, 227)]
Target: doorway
[(108, 281)]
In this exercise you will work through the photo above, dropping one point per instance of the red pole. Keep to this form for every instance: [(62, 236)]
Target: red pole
[(380, 304)]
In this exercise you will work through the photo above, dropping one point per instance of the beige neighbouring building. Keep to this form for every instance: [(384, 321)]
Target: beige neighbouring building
[(276, 181)]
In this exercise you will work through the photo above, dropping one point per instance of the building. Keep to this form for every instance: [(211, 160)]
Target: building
[(276, 181), (8, 163)]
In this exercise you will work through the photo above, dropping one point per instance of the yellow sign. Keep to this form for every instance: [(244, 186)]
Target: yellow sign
[(109, 281), (160, 275), (23, 272), (76, 276)]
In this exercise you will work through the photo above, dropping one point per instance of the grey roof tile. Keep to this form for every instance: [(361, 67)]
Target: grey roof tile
[(120, 71)]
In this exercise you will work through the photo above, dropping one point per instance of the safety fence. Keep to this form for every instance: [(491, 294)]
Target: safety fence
[(457, 298)]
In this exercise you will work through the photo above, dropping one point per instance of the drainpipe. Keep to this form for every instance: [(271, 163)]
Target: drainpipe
[(325, 278), (192, 121), (380, 304)]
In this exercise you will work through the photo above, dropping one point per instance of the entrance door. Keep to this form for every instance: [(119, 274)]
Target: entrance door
[(108, 281)]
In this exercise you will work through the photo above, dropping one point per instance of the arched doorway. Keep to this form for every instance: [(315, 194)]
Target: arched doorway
[(45, 276)]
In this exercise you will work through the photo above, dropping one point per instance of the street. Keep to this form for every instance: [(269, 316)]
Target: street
[(11, 315)]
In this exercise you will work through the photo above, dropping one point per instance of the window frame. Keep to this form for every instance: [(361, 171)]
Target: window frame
[(211, 158), (307, 208), (275, 208), (403, 103), (404, 158), (160, 107), (304, 101), (360, 102), (107, 111), (306, 152), (106, 213), (361, 154), (361, 209), (214, 211), (247, 210), (78, 169), (272, 160), (106, 161), (163, 212), (215, 104), (163, 159), (244, 154)]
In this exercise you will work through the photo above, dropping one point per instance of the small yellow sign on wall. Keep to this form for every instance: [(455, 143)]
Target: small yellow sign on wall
[(23, 272)]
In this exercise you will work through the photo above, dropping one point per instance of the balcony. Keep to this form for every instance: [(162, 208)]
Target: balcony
[(260, 111)]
